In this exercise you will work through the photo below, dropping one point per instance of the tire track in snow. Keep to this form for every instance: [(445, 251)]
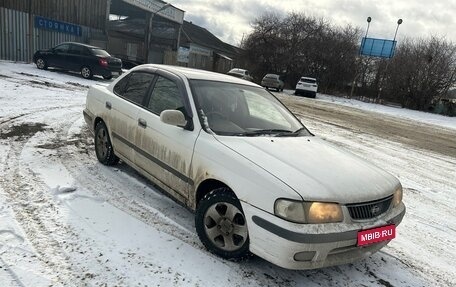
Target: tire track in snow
[(36, 212)]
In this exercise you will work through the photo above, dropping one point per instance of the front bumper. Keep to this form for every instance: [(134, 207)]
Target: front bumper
[(309, 246)]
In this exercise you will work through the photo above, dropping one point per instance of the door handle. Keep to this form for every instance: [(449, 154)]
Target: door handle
[(142, 123), (108, 105)]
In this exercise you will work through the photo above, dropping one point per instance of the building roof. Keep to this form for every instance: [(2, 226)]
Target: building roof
[(201, 36)]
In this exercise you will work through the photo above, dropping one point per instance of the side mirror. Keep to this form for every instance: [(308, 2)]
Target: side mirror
[(173, 117)]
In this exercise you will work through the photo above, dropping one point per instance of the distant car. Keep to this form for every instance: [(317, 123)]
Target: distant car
[(273, 81), (307, 86), (257, 179), (88, 60), (240, 73)]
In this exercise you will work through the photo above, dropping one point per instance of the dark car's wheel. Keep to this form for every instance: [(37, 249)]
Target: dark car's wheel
[(41, 64), (221, 225), (103, 147), (86, 72), (107, 77)]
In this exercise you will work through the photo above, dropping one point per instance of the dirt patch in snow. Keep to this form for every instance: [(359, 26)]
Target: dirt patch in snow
[(77, 85), (27, 74), (47, 84), (25, 130), (4, 76)]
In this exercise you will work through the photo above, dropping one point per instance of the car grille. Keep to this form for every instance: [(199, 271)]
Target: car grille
[(368, 210)]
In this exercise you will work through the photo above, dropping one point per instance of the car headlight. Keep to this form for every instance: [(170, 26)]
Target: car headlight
[(308, 212), (397, 196), (290, 210), (324, 212)]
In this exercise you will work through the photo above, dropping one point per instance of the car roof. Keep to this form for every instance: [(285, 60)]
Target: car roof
[(195, 74), (308, 78), (237, 70), (81, 44)]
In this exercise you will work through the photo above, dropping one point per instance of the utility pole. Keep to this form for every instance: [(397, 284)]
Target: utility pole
[(148, 31)]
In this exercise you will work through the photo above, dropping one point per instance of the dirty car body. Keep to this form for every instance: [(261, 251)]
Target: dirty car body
[(257, 179)]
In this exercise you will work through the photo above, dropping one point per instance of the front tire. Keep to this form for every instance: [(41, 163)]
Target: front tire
[(86, 72), (41, 64), (103, 147), (221, 224)]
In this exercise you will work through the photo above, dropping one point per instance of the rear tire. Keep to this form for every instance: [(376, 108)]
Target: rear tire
[(107, 77), (221, 224), (86, 72), (103, 147)]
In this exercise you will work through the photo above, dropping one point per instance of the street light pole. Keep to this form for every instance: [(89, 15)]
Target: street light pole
[(369, 19), (399, 22), (148, 31)]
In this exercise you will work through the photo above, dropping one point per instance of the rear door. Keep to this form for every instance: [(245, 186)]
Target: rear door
[(74, 59), (123, 109), (165, 151)]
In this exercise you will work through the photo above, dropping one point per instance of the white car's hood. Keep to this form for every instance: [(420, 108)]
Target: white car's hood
[(315, 169)]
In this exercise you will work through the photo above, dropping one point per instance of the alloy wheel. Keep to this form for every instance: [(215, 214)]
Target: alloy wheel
[(225, 226)]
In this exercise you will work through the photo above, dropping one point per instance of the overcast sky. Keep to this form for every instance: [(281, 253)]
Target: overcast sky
[(230, 20)]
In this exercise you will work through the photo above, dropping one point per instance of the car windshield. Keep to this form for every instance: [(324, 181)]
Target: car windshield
[(271, 76), (100, 53), (241, 110)]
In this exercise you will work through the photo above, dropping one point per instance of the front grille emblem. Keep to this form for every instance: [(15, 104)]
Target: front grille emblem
[(375, 210)]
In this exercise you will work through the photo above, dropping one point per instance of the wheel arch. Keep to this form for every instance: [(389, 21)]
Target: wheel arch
[(207, 186), (96, 121)]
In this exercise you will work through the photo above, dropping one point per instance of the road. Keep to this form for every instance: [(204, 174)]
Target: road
[(417, 135)]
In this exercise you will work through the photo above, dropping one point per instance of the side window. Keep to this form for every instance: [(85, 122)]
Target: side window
[(62, 48), (121, 86), (75, 49), (137, 87), (165, 96), (85, 51)]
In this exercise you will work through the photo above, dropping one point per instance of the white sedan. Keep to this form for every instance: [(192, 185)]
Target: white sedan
[(258, 180)]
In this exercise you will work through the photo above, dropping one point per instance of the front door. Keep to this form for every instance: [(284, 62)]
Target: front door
[(58, 56), (165, 151)]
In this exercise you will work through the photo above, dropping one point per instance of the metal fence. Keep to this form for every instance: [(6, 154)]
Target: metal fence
[(16, 43)]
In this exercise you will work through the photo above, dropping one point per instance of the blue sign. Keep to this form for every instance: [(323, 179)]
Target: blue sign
[(62, 27), (377, 47)]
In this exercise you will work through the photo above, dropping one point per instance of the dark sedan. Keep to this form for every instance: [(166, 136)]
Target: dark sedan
[(88, 60)]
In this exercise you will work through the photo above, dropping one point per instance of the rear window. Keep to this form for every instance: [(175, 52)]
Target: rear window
[(134, 87), (310, 81), (100, 53)]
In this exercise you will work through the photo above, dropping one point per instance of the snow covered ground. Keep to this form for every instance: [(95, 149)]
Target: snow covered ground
[(66, 220)]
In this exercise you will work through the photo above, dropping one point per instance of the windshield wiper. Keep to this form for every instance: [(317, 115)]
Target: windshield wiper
[(265, 132), (290, 133)]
